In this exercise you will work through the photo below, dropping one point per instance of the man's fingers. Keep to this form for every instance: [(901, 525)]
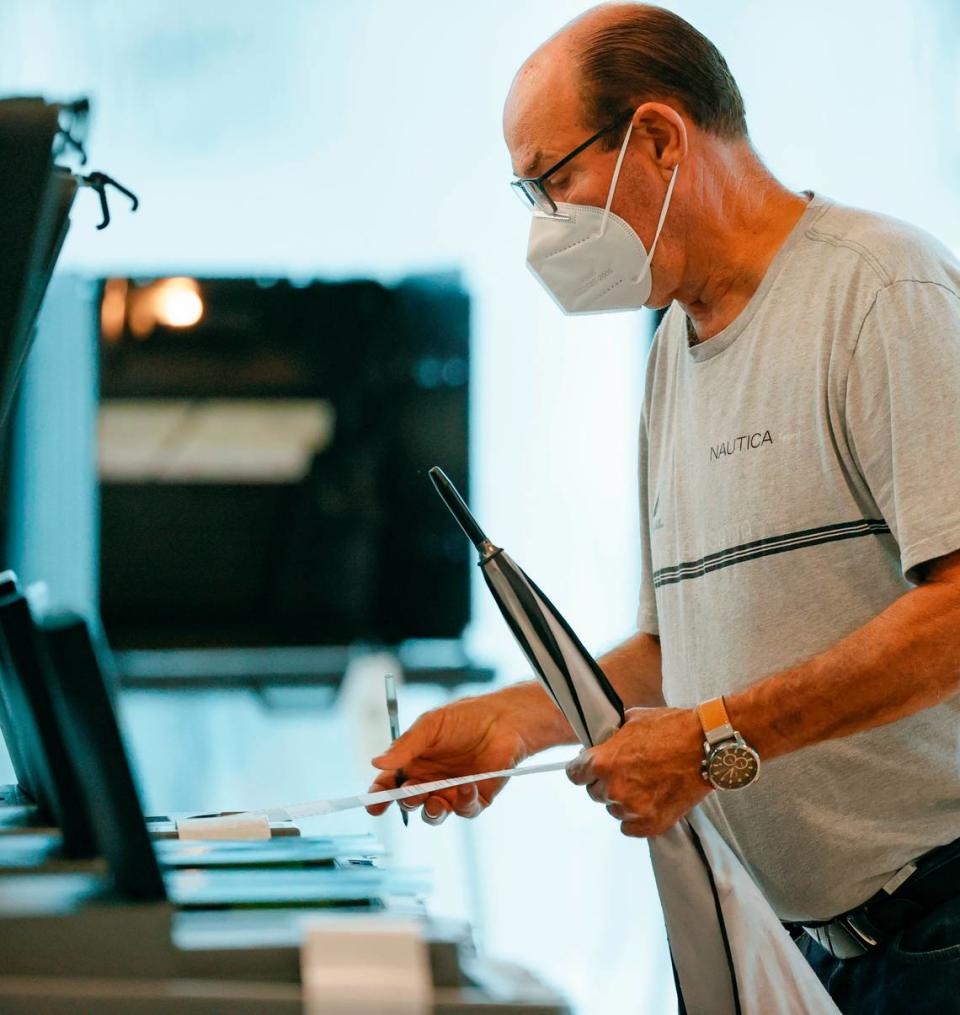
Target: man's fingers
[(435, 810), (411, 803), (580, 770), (619, 812), (410, 745), (489, 788), (467, 800), (598, 791), (468, 804), (388, 780), (385, 780)]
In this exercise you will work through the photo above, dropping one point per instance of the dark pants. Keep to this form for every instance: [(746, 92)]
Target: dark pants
[(916, 973)]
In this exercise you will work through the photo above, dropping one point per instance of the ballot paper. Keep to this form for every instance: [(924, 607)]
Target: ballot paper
[(243, 825)]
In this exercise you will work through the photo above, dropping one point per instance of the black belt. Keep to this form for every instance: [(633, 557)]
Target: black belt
[(913, 891)]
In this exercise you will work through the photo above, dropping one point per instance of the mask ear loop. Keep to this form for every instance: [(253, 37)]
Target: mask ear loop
[(663, 213), (613, 182)]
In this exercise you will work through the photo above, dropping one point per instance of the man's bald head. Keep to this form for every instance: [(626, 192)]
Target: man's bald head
[(633, 53), (614, 58)]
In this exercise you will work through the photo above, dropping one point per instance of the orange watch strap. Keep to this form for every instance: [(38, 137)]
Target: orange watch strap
[(713, 714)]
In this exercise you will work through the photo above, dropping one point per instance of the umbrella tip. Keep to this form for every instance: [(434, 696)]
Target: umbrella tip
[(441, 482), (458, 507)]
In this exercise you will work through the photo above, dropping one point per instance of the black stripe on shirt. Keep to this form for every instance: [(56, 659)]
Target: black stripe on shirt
[(764, 547)]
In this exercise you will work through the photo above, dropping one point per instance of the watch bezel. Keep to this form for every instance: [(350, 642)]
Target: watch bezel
[(712, 751)]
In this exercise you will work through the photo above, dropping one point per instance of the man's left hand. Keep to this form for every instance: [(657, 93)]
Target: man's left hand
[(648, 773)]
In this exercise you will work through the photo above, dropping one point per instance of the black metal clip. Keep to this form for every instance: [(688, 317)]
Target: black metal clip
[(99, 182), (73, 119)]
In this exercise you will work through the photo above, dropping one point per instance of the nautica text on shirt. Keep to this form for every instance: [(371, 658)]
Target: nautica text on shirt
[(745, 442)]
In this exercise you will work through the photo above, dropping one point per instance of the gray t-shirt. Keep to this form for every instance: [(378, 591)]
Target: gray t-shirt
[(793, 470)]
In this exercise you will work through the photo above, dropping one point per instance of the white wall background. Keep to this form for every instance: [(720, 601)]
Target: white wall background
[(363, 138)]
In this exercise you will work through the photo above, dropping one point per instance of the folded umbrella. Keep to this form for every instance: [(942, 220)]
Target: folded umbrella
[(731, 955), (566, 669)]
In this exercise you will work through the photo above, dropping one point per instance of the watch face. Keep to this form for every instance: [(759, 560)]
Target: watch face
[(733, 766)]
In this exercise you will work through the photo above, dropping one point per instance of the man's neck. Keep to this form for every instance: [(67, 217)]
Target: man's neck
[(747, 217)]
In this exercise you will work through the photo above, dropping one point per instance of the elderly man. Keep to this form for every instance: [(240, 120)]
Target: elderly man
[(800, 510)]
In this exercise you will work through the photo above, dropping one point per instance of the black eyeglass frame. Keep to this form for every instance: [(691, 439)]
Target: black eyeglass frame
[(531, 188)]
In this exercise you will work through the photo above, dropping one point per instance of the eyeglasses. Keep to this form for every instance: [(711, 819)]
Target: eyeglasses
[(532, 190)]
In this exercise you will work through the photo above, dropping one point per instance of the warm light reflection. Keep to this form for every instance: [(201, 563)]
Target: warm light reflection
[(171, 302), (177, 302), (141, 317), (113, 309)]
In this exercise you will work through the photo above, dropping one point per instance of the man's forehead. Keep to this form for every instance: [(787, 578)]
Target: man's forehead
[(542, 117)]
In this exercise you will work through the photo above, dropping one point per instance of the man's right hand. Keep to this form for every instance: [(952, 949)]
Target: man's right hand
[(482, 734)]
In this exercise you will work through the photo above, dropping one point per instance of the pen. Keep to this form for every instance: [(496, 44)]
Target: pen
[(394, 716)]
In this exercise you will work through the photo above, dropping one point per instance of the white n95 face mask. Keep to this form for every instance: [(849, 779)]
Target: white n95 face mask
[(589, 259)]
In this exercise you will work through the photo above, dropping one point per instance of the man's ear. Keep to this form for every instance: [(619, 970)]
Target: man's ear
[(662, 130)]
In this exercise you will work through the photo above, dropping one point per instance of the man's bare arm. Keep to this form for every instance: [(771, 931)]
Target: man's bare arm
[(906, 659), (633, 668)]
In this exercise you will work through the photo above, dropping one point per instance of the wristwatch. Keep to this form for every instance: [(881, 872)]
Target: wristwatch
[(729, 761)]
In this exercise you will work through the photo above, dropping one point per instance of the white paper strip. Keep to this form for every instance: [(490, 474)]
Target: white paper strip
[(315, 808)]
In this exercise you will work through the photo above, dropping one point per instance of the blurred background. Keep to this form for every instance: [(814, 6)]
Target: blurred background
[(223, 435)]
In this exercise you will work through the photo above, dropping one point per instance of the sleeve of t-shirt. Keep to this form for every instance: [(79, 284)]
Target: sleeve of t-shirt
[(647, 610), (903, 414)]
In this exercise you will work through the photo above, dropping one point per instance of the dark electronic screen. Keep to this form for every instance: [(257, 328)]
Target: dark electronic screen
[(264, 450), (36, 197), (76, 678)]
